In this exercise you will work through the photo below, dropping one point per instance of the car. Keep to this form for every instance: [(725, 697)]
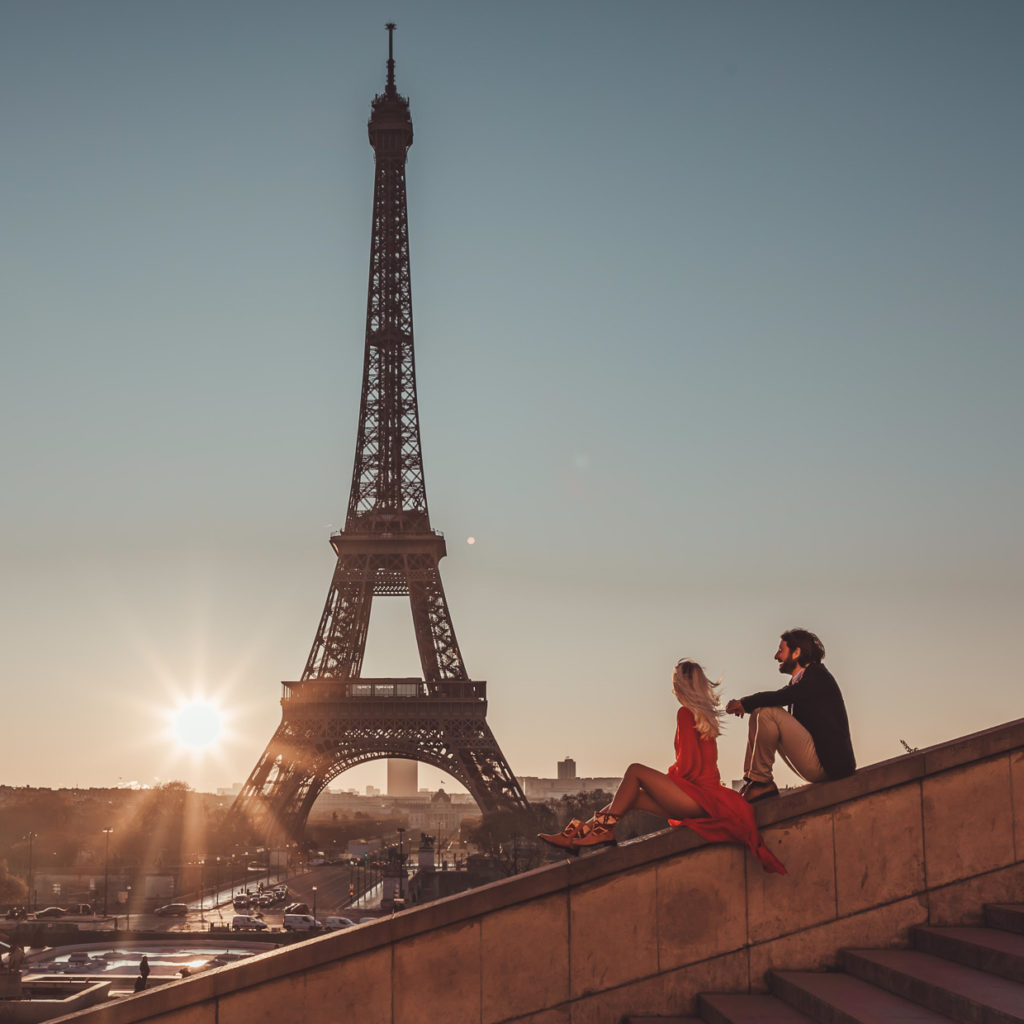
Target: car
[(297, 908), (247, 923), (50, 912), (241, 900), (335, 924), (300, 923), (172, 910)]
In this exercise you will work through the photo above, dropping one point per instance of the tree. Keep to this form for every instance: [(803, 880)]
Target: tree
[(12, 890), (509, 837), (581, 805)]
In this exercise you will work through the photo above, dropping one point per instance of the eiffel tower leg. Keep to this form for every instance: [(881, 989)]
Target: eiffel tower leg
[(435, 635), (340, 641), (486, 774)]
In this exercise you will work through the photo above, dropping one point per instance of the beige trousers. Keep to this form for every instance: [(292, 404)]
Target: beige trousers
[(773, 731)]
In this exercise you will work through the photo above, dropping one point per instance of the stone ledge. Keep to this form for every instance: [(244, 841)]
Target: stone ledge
[(545, 881)]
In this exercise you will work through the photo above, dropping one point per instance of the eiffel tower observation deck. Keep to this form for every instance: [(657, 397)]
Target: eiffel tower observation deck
[(334, 718)]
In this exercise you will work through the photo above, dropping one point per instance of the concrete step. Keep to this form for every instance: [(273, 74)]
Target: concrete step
[(744, 1009), (837, 998), (957, 992), (646, 1018), (1008, 916), (985, 949)]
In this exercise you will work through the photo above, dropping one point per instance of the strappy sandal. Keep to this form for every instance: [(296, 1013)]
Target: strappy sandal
[(564, 839), (600, 829)]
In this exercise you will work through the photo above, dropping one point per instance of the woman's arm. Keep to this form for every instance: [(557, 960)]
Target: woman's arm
[(687, 761)]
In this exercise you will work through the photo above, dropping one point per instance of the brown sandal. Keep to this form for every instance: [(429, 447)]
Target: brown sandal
[(600, 829), (564, 839)]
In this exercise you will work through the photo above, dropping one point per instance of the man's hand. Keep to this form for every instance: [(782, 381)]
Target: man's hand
[(734, 707)]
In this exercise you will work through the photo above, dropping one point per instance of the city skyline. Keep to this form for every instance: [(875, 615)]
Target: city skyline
[(718, 332)]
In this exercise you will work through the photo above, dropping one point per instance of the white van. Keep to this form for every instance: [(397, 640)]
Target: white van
[(335, 924), (247, 923), (300, 923)]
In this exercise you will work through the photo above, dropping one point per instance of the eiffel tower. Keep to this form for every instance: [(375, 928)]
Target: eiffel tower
[(333, 718)]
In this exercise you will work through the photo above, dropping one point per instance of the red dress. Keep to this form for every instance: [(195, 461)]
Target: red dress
[(730, 819)]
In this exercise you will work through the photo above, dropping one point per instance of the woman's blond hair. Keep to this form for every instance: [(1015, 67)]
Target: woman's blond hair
[(695, 691)]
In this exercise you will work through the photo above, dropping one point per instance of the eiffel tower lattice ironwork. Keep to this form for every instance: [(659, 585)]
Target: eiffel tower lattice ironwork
[(333, 718)]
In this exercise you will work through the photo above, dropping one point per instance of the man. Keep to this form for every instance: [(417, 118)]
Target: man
[(815, 739)]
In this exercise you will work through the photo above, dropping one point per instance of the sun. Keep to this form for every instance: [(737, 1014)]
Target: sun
[(197, 724)]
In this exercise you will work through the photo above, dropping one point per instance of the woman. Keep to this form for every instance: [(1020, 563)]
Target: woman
[(691, 793)]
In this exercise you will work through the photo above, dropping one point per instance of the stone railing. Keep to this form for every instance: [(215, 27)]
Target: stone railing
[(925, 838)]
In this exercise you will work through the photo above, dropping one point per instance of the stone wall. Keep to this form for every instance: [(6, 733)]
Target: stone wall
[(925, 838)]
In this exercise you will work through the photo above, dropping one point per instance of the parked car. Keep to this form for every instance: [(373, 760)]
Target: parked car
[(335, 924), (247, 923), (300, 923), (50, 912), (172, 910)]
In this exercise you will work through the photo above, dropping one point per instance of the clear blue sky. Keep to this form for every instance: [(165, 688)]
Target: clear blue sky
[(718, 317)]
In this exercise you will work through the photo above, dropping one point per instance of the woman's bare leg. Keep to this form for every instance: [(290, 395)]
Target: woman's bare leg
[(647, 789)]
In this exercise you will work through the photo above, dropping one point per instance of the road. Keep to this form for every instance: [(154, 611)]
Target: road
[(330, 899)]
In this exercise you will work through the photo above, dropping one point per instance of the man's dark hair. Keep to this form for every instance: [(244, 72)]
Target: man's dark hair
[(812, 650)]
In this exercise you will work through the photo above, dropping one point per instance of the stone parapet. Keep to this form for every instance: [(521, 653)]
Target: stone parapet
[(643, 928)]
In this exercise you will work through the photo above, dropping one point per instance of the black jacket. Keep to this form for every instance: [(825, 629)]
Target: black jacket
[(818, 706)]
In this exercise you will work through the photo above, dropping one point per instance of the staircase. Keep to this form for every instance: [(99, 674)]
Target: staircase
[(969, 975)]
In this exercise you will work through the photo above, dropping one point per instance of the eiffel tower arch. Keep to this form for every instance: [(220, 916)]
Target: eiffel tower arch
[(333, 718)]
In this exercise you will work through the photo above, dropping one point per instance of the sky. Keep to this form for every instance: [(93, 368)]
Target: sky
[(718, 316)]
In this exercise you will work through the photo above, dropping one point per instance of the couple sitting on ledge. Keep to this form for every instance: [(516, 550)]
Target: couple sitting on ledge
[(813, 739)]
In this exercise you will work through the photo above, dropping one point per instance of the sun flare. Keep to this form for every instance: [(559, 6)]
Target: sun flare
[(197, 724)]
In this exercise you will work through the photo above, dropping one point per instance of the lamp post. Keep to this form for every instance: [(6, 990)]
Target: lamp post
[(202, 871), (106, 868), (314, 903), (401, 864), (31, 901)]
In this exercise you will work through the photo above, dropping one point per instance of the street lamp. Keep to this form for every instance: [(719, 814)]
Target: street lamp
[(106, 868), (202, 870), (31, 902), (314, 903)]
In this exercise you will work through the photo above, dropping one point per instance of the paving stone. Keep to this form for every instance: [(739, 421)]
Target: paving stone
[(960, 993)]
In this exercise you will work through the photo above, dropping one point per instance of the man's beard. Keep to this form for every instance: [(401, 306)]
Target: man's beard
[(786, 667)]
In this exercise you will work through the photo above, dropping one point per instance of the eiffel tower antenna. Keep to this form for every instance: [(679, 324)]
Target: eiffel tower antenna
[(333, 718)]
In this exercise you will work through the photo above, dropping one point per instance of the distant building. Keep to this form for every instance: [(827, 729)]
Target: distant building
[(402, 778), (568, 783), (442, 815)]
